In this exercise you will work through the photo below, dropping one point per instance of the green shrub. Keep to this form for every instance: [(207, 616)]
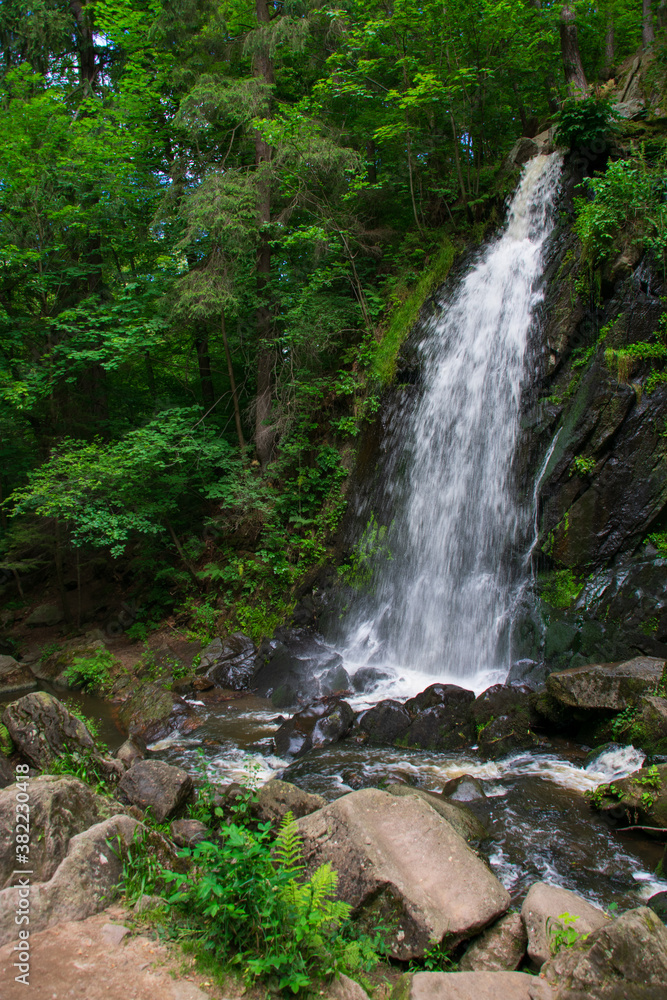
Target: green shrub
[(6, 742), (585, 124), (93, 672)]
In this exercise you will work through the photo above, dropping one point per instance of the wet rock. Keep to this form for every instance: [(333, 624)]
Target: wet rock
[(41, 728), (442, 720), (611, 686), (335, 680), (385, 722), (457, 698), (465, 788), (14, 677), (638, 800), (528, 673), (522, 151), (503, 717), (462, 819), (471, 986), (652, 724), (276, 798), (60, 807), (540, 913), (85, 881), (626, 957), (400, 864), (658, 903), (289, 671), (149, 712), (188, 832), (45, 615), (129, 752), (368, 679), (318, 725), (154, 785), (500, 948), (231, 662)]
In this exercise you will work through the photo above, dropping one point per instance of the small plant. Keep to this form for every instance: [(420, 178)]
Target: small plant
[(6, 742), (562, 934), (436, 959), (91, 673), (75, 709), (583, 466), (83, 764)]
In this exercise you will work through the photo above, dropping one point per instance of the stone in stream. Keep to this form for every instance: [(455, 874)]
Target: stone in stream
[(154, 785), (471, 986), (319, 725), (15, 677), (129, 752), (84, 882), (60, 807), (612, 686), (401, 865), (443, 720), (658, 903), (383, 723), (42, 728), (638, 800), (462, 819), (503, 717), (229, 663), (541, 910), (368, 678), (626, 958), (465, 788), (500, 948), (276, 798)]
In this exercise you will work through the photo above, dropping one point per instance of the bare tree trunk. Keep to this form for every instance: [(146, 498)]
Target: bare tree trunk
[(575, 77), (232, 382), (648, 34), (205, 373), (608, 63), (264, 433), (86, 42)]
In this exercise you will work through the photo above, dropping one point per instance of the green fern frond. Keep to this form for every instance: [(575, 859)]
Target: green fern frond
[(288, 850)]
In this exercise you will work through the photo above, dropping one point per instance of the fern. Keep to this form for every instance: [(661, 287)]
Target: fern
[(288, 850)]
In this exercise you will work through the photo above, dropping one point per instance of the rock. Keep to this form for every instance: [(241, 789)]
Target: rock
[(627, 957), (463, 820), (114, 934), (149, 712), (368, 678), (45, 615), (652, 724), (465, 788), (276, 798), (154, 785), (188, 832), (128, 753), (385, 722), (471, 986), (441, 694), (7, 773), (317, 726), (145, 903), (335, 680), (611, 686), (638, 800), (528, 673), (658, 903), (344, 988), (84, 883), (232, 662), (403, 866), (503, 717), (541, 909), (41, 728), (443, 719), (15, 677), (522, 151), (60, 807), (53, 666), (289, 672), (500, 948)]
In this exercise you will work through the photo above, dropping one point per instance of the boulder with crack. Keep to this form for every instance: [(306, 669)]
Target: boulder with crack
[(548, 910)]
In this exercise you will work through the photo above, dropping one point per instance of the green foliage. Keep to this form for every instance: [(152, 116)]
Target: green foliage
[(83, 764), (559, 588), (583, 466), (92, 672), (6, 742), (562, 933), (622, 725), (585, 124), (75, 709), (371, 547)]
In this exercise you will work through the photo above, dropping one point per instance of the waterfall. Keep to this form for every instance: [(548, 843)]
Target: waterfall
[(449, 567)]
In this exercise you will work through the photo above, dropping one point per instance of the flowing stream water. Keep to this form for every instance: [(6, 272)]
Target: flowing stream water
[(441, 603)]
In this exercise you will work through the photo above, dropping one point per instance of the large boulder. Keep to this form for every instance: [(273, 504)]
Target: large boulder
[(500, 948), (442, 718), (42, 728), (276, 798), (611, 686), (541, 912), (385, 722), (154, 785), (460, 817), (638, 800), (60, 807), (230, 663), (626, 958), (51, 666), (503, 717), (471, 986), (44, 616), (15, 677), (318, 725), (652, 724), (401, 865), (85, 881)]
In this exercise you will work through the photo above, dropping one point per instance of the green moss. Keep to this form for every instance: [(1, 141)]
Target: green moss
[(404, 316), (560, 588)]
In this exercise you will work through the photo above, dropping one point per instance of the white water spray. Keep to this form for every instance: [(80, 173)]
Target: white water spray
[(441, 605)]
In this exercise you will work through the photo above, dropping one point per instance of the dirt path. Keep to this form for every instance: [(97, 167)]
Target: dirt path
[(95, 959)]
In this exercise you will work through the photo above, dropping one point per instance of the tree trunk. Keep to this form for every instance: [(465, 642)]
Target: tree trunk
[(662, 14), (648, 34), (86, 42), (205, 373), (575, 78), (608, 63), (264, 433), (232, 383)]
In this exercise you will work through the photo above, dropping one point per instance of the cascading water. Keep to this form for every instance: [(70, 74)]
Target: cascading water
[(441, 603)]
